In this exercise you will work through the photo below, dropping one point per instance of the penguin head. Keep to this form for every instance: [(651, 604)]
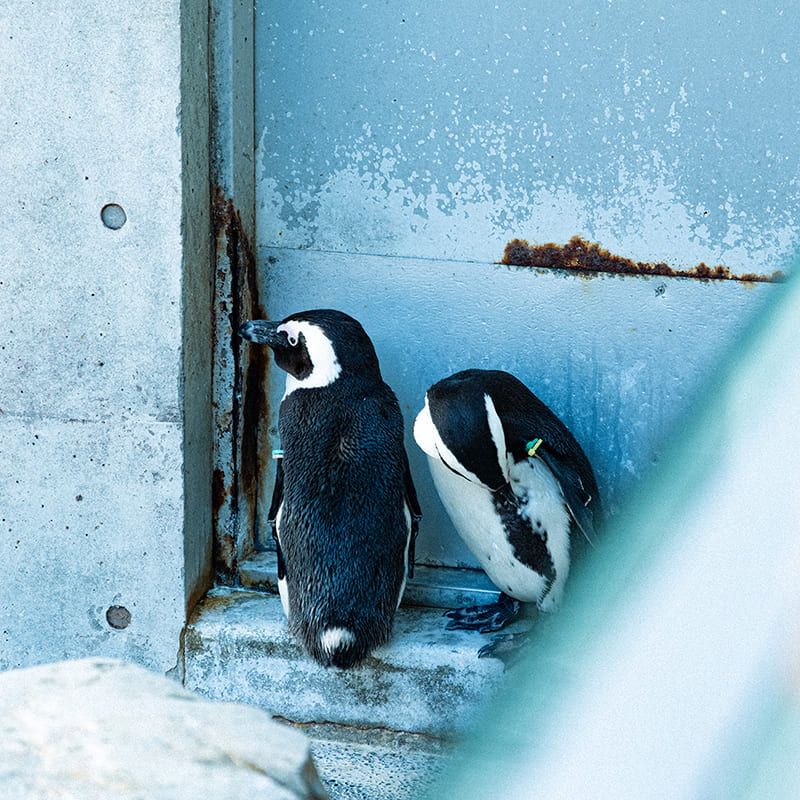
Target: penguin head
[(460, 426), (316, 347)]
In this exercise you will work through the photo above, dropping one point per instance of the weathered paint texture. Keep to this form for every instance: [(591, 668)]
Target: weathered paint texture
[(443, 130), (396, 144), (239, 380), (95, 359), (238, 370)]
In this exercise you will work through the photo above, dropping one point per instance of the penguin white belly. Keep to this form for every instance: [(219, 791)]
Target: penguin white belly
[(542, 504), (472, 510)]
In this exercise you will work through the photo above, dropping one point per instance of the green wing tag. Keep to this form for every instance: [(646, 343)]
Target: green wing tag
[(533, 446)]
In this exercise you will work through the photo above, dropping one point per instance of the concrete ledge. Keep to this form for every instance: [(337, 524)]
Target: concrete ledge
[(374, 764), (426, 680)]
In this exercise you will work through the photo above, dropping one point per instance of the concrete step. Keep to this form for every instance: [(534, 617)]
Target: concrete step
[(386, 723), (427, 680), (371, 764)]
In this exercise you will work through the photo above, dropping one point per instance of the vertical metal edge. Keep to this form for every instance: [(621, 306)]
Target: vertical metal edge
[(196, 298), (237, 372)]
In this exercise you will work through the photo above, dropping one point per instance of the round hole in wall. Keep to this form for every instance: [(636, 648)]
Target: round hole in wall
[(113, 216), (118, 617)]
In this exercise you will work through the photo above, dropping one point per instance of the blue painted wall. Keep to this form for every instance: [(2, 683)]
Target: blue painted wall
[(396, 144), (665, 131)]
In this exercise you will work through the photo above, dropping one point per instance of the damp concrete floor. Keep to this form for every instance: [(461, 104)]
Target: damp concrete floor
[(381, 730)]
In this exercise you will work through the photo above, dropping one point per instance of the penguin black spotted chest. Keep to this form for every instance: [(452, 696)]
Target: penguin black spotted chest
[(517, 486)]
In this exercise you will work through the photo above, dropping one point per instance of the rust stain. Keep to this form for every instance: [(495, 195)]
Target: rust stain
[(236, 474), (219, 492), (225, 556), (588, 258)]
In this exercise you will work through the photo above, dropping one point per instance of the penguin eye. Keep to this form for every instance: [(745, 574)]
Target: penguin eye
[(291, 333)]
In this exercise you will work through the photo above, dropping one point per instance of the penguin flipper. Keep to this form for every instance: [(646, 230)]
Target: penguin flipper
[(580, 504), (414, 510), (562, 454), (272, 516), (486, 618)]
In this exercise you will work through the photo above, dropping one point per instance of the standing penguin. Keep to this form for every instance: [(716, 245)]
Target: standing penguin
[(516, 484), (344, 510)]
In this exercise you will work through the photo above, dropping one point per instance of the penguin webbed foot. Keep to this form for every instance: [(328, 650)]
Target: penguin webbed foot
[(506, 647), (484, 619)]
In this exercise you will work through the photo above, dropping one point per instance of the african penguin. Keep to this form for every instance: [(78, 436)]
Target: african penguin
[(344, 509), (516, 484)]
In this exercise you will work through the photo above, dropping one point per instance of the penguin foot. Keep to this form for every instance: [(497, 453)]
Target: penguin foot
[(506, 647), (484, 619)]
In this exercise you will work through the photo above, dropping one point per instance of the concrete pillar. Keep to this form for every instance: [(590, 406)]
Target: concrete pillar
[(105, 329)]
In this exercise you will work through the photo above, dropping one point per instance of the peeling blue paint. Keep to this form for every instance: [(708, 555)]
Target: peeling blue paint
[(395, 143), (663, 134)]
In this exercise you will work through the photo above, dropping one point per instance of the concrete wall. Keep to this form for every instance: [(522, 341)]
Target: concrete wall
[(104, 352)]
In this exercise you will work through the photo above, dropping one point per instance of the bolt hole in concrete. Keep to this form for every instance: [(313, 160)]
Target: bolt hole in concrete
[(118, 617), (113, 216)]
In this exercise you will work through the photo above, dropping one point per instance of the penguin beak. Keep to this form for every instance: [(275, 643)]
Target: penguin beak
[(264, 331)]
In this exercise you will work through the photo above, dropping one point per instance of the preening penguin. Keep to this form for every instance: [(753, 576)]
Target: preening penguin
[(516, 484), (344, 508)]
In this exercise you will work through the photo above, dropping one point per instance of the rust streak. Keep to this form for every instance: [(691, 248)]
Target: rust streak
[(589, 258), (237, 472)]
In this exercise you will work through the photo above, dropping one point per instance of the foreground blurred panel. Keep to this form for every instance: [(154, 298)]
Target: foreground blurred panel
[(673, 669)]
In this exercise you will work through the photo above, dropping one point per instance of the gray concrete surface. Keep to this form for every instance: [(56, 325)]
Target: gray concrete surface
[(381, 731), (375, 765), (104, 367), (427, 680)]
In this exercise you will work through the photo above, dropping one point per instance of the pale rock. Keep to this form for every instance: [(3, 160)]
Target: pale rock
[(96, 729)]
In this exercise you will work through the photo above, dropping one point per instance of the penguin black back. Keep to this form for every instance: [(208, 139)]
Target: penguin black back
[(343, 523), (465, 428)]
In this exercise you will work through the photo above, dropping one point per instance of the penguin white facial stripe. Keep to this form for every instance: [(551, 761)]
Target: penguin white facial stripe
[(325, 365), (498, 435), (427, 437), (333, 639), (292, 331), (425, 432)]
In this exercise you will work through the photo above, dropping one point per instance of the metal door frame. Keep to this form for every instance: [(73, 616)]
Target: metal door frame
[(237, 371)]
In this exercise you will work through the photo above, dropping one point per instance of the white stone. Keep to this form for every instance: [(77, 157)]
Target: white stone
[(99, 728)]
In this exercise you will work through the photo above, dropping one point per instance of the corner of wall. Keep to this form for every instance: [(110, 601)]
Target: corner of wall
[(196, 299)]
